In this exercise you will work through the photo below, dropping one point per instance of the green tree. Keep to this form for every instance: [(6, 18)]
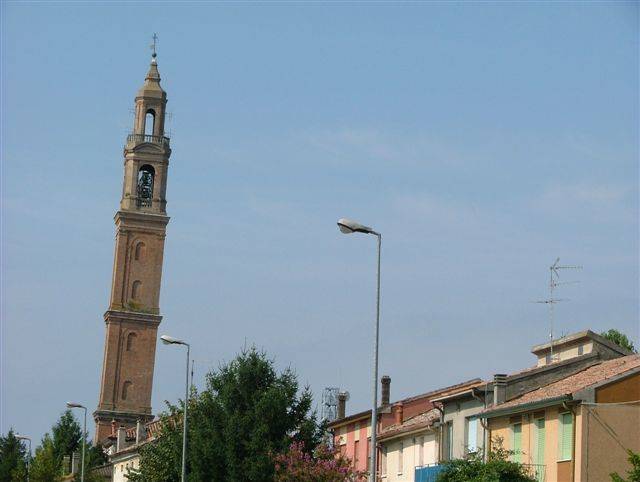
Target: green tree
[(45, 467), (497, 468), (634, 473), (13, 458), (247, 413), (67, 435), (619, 339)]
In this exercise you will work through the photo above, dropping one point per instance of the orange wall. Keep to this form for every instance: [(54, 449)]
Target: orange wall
[(625, 390)]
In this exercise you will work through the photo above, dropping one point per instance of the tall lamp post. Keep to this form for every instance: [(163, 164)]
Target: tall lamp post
[(169, 340), (84, 434), (347, 226), (28, 439)]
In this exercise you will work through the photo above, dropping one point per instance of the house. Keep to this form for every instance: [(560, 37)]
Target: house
[(574, 429), (352, 434), (463, 432), (123, 448)]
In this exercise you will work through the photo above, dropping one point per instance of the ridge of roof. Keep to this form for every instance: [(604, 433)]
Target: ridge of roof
[(589, 376)]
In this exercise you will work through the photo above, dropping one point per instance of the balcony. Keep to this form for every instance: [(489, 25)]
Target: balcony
[(135, 139)]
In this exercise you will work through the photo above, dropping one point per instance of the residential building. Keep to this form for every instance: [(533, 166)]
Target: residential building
[(352, 434), (462, 431), (574, 429)]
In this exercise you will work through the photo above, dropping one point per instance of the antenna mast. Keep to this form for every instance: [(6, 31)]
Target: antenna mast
[(554, 276)]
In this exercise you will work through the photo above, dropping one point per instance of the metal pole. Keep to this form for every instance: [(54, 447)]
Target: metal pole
[(374, 411), (184, 425), (84, 438)]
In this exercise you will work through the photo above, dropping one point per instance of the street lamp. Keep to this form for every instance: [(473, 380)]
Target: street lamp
[(169, 340), (23, 437), (348, 226), (84, 434)]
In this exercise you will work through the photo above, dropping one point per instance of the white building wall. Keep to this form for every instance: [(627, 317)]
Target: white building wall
[(411, 449)]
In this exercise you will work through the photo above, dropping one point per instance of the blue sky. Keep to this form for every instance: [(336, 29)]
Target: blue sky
[(483, 140)]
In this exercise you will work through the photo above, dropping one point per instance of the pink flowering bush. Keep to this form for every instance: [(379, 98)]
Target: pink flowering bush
[(321, 465)]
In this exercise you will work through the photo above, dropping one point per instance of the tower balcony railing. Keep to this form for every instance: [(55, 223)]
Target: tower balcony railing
[(135, 139)]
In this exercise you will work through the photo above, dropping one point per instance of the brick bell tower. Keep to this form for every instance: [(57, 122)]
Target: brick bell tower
[(133, 316)]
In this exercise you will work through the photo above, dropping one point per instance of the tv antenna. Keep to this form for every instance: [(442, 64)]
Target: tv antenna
[(554, 277)]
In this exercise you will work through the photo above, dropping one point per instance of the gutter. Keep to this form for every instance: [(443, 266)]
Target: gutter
[(525, 407)]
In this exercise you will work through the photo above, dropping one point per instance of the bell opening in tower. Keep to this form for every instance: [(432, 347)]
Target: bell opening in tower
[(150, 123), (146, 175)]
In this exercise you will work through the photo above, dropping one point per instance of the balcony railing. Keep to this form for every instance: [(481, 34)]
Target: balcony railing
[(145, 138), (537, 471)]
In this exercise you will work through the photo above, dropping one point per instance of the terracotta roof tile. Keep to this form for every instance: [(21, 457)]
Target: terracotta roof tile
[(574, 383), (422, 420)]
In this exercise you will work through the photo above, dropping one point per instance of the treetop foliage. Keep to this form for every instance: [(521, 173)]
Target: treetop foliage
[(247, 413)]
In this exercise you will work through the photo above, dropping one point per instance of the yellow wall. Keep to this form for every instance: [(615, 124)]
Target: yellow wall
[(502, 427)]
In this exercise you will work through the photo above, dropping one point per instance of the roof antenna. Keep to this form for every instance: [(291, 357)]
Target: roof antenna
[(554, 276)]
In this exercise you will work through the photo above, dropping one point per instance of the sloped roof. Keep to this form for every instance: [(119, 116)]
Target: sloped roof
[(428, 395), (421, 421), (574, 383)]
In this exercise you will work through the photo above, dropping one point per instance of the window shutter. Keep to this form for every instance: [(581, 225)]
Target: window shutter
[(540, 436), (472, 435), (517, 442), (565, 440)]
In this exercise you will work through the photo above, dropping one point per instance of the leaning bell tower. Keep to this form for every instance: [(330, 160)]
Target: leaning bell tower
[(133, 315)]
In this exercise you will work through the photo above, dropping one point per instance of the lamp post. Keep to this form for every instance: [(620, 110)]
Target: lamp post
[(348, 226), (169, 340), (23, 437), (84, 434)]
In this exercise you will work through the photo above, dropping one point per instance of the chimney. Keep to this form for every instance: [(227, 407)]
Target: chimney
[(121, 441), (141, 432), (386, 389), (342, 404), (398, 413), (499, 388)]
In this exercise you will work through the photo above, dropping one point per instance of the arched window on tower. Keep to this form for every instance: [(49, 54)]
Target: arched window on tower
[(131, 341), (139, 251), (126, 389), (146, 175), (136, 288), (149, 123)]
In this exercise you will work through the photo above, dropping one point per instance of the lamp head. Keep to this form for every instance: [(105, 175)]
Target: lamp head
[(74, 405), (348, 226), (169, 340)]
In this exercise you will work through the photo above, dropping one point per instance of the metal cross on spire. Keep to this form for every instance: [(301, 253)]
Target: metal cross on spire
[(153, 45)]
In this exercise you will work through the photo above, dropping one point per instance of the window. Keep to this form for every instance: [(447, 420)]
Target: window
[(448, 452), (540, 441), (356, 455), (131, 339), (383, 461), (136, 287), (126, 389), (149, 122), (580, 349), (421, 451), (139, 251), (144, 189), (516, 438), (548, 358), (565, 436), (368, 453), (472, 435), (400, 457)]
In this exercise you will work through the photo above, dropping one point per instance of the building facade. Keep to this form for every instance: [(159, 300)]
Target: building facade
[(577, 429), (133, 315)]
